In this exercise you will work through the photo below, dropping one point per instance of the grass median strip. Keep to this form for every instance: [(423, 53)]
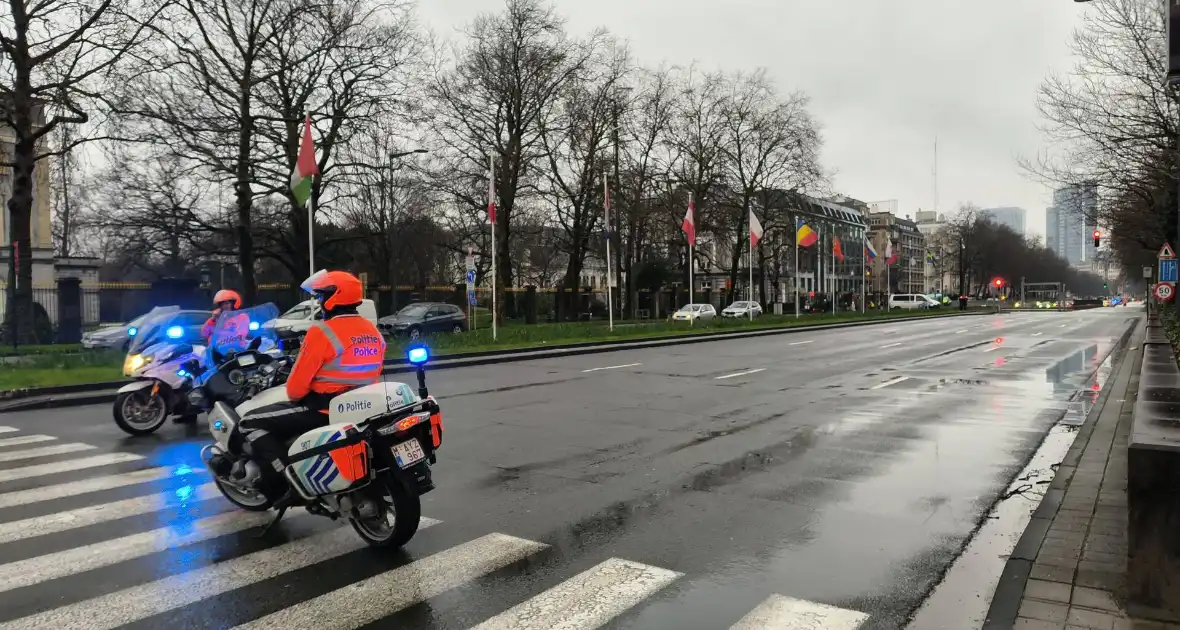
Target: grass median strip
[(48, 368)]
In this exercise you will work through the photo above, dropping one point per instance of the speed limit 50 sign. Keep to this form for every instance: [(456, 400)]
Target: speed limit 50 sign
[(1164, 292)]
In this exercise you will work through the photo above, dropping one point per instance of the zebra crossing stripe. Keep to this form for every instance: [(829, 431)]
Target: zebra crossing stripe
[(106, 459), (94, 484), (9, 430), (90, 515), (779, 612), (400, 588), (70, 561), (44, 451), (588, 600), (140, 602), (25, 439)]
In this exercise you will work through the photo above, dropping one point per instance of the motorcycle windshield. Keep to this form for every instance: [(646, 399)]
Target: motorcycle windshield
[(153, 328), (236, 331)]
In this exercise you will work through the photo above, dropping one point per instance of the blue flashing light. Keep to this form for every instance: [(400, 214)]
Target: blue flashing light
[(131, 331), (176, 332), (217, 424), (181, 373), (418, 355), (253, 325)]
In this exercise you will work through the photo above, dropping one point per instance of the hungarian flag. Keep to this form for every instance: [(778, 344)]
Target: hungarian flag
[(305, 166), (890, 254), (804, 235), (837, 249), (755, 230), (491, 191), (690, 228)]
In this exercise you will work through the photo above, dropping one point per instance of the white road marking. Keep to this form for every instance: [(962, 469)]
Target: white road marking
[(740, 373), (612, 367), (892, 381), (103, 554), (44, 451), (992, 349), (778, 612), (960, 331), (9, 429), (140, 602), (1063, 326), (801, 343), (25, 439), (38, 470), (1037, 334), (94, 484), (586, 601), (891, 345), (402, 587), (102, 513)]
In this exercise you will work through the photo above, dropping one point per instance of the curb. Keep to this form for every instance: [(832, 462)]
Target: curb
[(1009, 592), (17, 400)]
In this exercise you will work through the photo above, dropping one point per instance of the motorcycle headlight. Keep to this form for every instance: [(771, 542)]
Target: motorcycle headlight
[(134, 362)]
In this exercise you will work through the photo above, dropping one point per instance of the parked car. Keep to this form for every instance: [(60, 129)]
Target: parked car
[(423, 318), (118, 336), (694, 313), (300, 317), (910, 301), (742, 309)]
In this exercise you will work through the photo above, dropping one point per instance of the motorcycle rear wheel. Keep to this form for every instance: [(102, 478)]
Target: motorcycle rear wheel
[(397, 504), (128, 403)]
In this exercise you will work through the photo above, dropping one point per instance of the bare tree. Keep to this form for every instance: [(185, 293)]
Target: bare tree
[(56, 57), (492, 99)]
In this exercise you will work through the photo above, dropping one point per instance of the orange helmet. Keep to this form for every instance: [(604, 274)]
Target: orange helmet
[(226, 295), (334, 289)]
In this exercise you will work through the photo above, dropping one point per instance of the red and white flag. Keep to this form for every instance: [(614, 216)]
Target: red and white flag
[(491, 191), (755, 230), (689, 227), (890, 254)]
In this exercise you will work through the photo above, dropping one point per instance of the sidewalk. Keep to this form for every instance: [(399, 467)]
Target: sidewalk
[(1076, 542)]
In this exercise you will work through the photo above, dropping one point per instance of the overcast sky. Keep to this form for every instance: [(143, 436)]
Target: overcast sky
[(885, 77)]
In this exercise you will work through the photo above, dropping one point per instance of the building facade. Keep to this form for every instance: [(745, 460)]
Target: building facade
[(1013, 217), (1067, 229), (908, 273)]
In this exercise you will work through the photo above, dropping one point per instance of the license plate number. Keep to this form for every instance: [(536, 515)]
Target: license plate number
[(408, 453), (246, 360)]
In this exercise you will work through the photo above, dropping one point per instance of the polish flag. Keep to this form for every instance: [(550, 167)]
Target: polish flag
[(890, 254), (755, 230), (690, 228)]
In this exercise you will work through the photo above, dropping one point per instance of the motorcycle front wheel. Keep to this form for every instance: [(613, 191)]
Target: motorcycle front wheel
[(140, 413), (250, 500), (394, 521)]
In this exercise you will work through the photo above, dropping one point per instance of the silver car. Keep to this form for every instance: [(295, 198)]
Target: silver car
[(116, 337)]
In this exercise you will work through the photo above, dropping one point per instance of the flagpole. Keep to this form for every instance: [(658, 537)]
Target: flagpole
[(492, 184), (610, 309), (750, 289), (863, 259), (835, 276), (796, 266), (311, 235)]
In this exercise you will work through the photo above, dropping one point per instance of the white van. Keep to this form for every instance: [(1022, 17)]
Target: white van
[(301, 316), (909, 301)]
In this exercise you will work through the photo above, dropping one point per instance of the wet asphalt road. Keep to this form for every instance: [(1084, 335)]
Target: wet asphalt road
[(697, 485)]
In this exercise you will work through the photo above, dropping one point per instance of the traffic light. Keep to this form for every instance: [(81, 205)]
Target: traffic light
[(1097, 237), (998, 283)]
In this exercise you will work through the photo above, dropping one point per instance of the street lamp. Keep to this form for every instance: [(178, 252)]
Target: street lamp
[(394, 156)]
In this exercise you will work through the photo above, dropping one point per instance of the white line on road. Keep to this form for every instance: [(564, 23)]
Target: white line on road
[(778, 612), (960, 331), (891, 345), (94, 484), (992, 349), (26, 439), (44, 451), (105, 459), (611, 367), (1037, 334), (1063, 326), (741, 373), (892, 381), (801, 343), (8, 430), (586, 601), (395, 590), (140, 602)]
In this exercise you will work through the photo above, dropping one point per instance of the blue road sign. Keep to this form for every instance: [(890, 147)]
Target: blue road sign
[(470, 277), (1169, 271), (471, 298)]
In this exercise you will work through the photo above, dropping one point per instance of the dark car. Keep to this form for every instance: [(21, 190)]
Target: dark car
[(424, 318)]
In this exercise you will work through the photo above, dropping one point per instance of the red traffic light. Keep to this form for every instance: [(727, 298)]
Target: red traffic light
[(1097, 233), (998, 282)]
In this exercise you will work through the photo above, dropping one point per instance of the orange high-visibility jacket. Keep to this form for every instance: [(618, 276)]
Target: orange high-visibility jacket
[(337, 355)]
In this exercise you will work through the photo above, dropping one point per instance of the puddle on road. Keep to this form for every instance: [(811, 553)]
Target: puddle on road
[(965, 592)]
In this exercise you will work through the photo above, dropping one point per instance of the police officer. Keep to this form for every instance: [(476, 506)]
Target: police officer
[(224, 301), (340, 353)]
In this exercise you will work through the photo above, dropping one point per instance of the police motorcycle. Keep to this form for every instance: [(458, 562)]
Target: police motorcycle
[(231, 368), (369, 465), (165, 348)]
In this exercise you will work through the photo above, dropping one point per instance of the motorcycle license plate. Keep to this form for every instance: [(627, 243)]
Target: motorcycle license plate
[(408, 453), (246, 360)]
